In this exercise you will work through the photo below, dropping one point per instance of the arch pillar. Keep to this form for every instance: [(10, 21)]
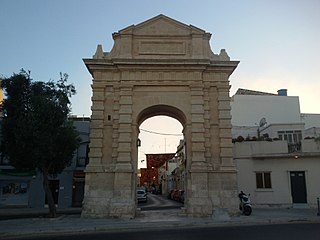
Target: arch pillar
[(198, 202)]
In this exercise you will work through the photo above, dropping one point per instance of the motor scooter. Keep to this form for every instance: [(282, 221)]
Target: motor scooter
[(245, 203)]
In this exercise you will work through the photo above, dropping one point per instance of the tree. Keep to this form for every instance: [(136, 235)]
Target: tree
[(36, 132)]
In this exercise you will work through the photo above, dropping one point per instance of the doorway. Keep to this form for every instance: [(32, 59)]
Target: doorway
[(77, 192), (298, 187)]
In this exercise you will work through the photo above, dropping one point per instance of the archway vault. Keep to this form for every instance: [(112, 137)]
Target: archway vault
[(160, 67), (165, 110)]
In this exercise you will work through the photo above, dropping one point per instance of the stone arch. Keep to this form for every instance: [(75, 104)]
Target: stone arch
[(166, 110), (169, 111), (160, 66)]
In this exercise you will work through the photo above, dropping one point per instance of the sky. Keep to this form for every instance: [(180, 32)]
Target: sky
[(159, 134), (276, 41)]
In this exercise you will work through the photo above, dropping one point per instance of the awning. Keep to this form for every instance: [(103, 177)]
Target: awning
[(17, 173)]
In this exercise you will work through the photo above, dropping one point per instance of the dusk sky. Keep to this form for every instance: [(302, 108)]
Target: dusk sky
[(276, 41)]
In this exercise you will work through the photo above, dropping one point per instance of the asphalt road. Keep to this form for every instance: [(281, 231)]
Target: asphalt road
[(261, 232), (159, 202)]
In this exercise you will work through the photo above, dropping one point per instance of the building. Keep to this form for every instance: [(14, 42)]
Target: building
[(276, 108), (276, 176), (276, 149), (177, 173), (167, 176), (24, 188), (151, 177), (311, 124)]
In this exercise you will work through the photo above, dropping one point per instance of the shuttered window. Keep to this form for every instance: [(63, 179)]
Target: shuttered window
[(263, 179)]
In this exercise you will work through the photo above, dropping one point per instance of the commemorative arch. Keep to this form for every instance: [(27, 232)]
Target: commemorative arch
[(160, 67)]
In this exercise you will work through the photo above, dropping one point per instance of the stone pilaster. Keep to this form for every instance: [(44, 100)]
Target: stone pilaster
[(198, 202), (97, 192), (123, 202), (224, 107), (96, 129)]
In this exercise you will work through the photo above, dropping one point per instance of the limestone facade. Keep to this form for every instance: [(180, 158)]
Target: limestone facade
[(160, 67)]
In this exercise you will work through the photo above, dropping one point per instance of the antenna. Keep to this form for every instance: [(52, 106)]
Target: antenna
[(262, 122)]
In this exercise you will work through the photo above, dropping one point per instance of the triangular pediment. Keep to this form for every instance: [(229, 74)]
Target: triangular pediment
[(161, 25), (161, 37)]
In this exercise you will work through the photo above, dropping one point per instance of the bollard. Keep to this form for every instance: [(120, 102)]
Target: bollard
[(318, 214)]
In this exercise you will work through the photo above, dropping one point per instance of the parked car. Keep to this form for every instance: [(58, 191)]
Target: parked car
[(175, 195), (181, 197), (169, 194), (142, 195)]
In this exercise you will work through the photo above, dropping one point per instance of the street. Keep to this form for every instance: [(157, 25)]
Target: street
[(305, 231), (159, 202), (159, 219)]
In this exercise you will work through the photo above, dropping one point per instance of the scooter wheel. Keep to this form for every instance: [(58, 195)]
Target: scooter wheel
[(247, 210)]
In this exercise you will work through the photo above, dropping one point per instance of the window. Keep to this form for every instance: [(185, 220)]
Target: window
[(290, 136), (293, 138), (263, 179), (83, 155)]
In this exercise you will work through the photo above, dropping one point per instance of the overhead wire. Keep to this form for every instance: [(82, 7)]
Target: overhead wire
[(158, 133)]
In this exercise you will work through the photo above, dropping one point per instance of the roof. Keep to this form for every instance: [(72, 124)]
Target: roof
[(242, 91)]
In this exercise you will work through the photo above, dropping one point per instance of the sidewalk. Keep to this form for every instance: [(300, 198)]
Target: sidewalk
[(71, 222), (23, 212)]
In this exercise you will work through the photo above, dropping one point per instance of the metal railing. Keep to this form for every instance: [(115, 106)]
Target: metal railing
[(294, 147)]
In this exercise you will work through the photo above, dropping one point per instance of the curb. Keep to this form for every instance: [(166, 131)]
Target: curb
[(63, 226)]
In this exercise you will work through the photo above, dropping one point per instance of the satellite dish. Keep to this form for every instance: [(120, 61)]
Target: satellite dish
[(262, 122)]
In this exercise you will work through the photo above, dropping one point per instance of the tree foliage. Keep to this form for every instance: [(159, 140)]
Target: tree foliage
[(36, 133)]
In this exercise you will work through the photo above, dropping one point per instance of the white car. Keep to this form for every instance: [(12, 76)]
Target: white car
[(142, 195)]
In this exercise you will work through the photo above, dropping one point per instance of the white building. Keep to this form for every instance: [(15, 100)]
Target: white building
[(274, 176), (173, 173), (283, 170), (249, 107), (310, 120)]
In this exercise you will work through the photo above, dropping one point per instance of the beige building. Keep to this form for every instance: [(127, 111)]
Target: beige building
[(160, 67)]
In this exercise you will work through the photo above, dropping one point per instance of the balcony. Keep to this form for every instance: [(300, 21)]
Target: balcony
[(310, 145), (278, 149), (254, 148)]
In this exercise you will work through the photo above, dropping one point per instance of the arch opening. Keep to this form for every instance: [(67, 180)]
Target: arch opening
[(161, 158)]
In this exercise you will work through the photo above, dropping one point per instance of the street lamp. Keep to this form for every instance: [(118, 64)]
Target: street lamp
[(138, 142)]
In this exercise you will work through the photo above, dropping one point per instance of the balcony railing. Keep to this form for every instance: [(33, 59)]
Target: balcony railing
[(294, 147)]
